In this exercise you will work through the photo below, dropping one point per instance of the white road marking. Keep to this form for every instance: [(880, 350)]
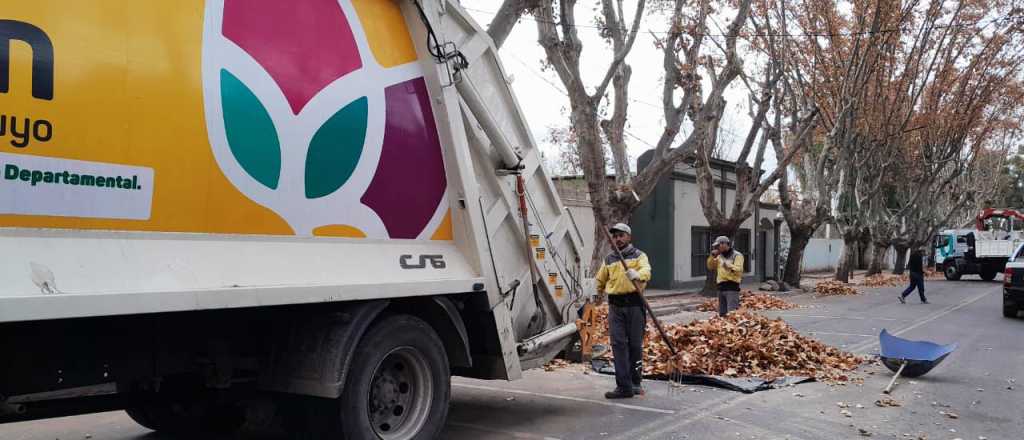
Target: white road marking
[(864, 346), (574, 399), (840, 334), (710, 409)]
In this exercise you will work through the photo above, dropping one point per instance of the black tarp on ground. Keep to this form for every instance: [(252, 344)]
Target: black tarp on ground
[(741, 384)]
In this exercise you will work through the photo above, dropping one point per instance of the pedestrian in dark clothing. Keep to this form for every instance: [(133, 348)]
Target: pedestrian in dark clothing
[(915, 266), (626, 316)]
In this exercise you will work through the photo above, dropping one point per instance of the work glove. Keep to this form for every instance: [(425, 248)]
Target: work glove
[(632, 274)]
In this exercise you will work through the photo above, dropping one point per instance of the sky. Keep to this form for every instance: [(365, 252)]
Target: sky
[(542, 97)]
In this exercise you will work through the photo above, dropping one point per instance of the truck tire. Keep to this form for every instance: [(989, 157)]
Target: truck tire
[(951, 272), (396, 388)]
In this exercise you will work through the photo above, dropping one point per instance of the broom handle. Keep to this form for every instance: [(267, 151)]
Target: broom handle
[(897, 376), (647, 306)]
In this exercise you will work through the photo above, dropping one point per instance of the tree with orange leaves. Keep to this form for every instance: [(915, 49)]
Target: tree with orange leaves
[(906, 91)]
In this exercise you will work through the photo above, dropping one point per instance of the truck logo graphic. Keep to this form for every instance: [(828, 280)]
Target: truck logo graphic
[(311, 115), (436, 261), (42, 56)]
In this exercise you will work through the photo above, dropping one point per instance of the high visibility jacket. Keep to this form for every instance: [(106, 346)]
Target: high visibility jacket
[(729, 269), (611, 277)]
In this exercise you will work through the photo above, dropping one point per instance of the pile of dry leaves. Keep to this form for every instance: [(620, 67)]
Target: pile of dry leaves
[(834, 288), (751, 301), (883, 280), (742, 344), (745, 344)]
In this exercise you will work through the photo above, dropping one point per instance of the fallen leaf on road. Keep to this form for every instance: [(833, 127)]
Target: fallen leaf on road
[(950, 415), (887, 403), (846, 413), (865, 433)]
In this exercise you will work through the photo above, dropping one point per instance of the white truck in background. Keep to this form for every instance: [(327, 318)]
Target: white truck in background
[(984, 250), (332, 205)]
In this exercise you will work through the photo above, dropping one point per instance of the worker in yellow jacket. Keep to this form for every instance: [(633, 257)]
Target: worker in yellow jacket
[(627, 318), (727, 263)]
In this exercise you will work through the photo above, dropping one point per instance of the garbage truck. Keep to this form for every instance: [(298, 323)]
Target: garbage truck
[(331, 206), (983, 250)]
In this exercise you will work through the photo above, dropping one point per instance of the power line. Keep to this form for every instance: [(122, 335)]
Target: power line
[(777, 35), (633, 100)]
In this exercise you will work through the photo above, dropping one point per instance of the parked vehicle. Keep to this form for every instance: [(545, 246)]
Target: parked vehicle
[(329, 205), (983, 250), (1013, 284)]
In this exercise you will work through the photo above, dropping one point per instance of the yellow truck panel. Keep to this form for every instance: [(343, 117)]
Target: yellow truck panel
[(218, 117)]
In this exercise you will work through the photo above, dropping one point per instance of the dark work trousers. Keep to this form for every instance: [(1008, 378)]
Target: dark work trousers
[(916, 280), (728, 297), (627, 324)]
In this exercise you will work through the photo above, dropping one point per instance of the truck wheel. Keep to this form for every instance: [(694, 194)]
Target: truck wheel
[(988, 274), (951, 272), (397, 388)]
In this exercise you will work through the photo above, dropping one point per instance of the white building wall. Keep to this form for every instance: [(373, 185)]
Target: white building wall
[(822, 254), (689, 213)]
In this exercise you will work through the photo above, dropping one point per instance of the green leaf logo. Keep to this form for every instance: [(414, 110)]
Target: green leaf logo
[(250, 131), (335, 149)]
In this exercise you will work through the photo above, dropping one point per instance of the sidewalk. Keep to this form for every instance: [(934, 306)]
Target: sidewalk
[(660, 293)]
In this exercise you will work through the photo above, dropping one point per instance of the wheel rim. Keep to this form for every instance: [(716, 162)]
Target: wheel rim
[(950, 271), (400, 394)]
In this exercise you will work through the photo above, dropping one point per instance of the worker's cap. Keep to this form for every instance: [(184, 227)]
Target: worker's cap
[(722, 240), (621, 227)]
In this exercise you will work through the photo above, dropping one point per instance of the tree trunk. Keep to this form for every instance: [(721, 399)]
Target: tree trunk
[(848, 261), (792, 271), (864, 249), (878, 254), (901, 260)]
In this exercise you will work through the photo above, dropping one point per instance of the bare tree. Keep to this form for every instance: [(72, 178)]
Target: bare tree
[(683, 94), (558, 35), (806, 204)]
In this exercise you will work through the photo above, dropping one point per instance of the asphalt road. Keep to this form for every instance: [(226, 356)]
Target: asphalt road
[(977, 384)]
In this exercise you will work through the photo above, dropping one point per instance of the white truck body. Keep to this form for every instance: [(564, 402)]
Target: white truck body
[(203, 224)]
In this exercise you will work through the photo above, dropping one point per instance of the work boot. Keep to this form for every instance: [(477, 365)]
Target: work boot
[(618, 394), (902, 301), (638, 390)]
